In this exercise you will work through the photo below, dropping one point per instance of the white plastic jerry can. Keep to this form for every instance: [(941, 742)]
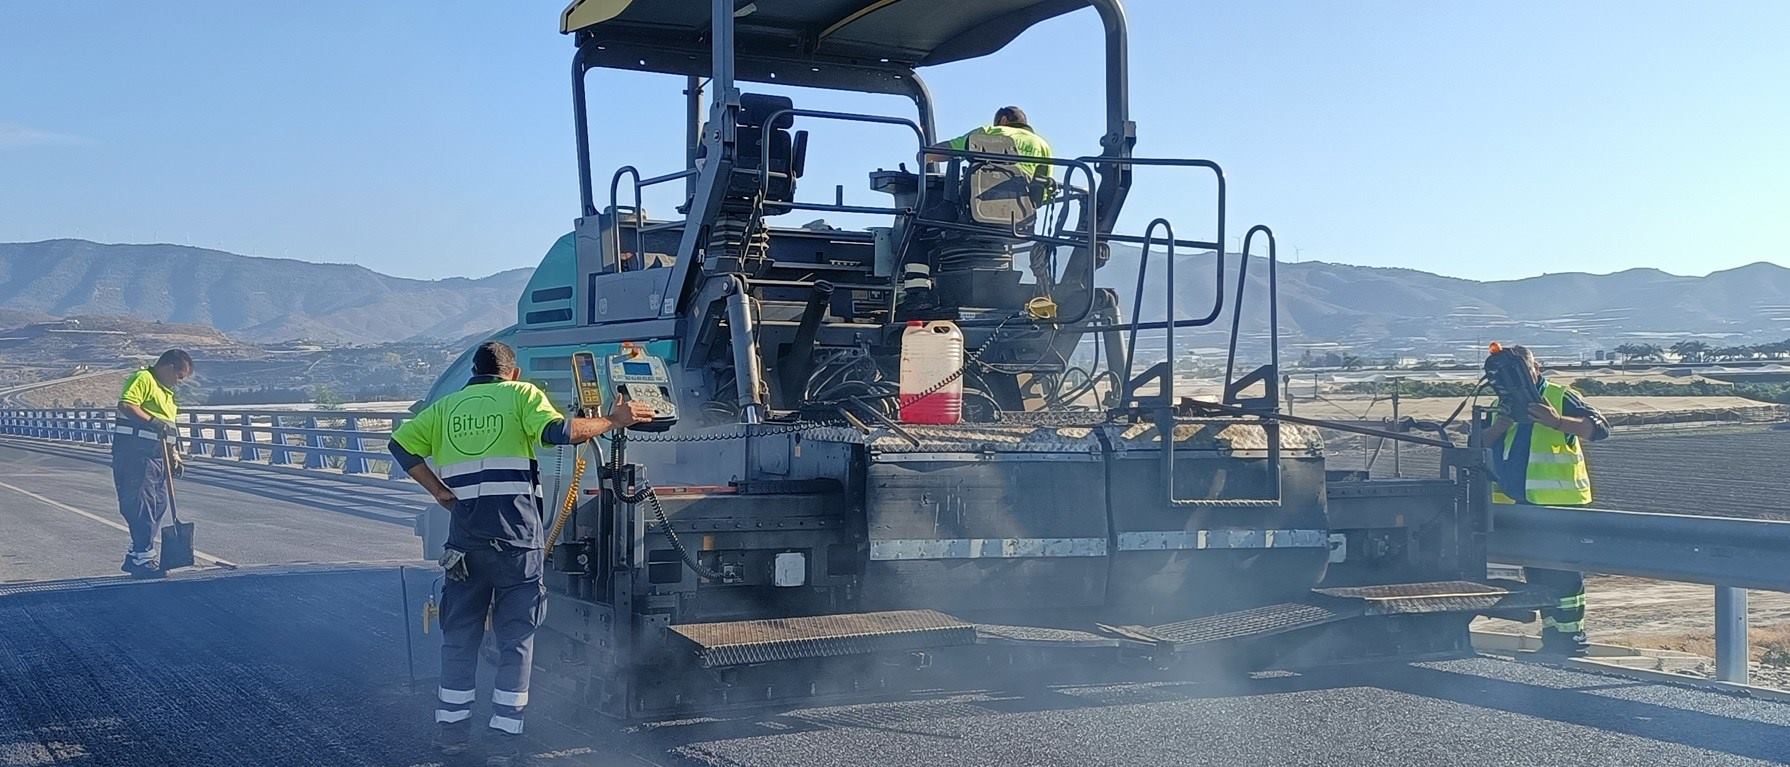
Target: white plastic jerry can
[(931, 384)]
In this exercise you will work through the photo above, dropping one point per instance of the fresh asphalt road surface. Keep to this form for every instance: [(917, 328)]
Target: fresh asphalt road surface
[(59, 515), (293, 667), (301, 667)]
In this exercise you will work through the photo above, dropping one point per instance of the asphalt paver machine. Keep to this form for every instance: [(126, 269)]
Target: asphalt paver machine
[(789, 536)]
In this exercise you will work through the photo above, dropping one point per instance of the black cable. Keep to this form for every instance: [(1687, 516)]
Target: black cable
[(646, 493)]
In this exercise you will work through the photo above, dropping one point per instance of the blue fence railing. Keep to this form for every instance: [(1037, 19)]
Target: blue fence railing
[(345, 442)]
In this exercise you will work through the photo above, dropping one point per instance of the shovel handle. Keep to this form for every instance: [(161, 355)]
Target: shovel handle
[(168, 466)]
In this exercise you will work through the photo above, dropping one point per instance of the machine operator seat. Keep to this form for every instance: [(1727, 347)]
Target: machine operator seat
[(974, 269), (788, 154), (996, 193)]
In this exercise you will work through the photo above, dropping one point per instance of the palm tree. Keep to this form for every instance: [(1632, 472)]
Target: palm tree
[(1691, 351)]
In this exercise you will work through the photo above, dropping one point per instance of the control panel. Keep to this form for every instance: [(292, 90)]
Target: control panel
[(642, 377), (587, 384)]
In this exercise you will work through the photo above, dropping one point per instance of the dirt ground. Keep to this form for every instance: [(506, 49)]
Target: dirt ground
[(1662, 615)]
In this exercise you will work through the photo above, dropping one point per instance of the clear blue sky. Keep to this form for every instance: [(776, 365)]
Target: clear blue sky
[(1487, 140)]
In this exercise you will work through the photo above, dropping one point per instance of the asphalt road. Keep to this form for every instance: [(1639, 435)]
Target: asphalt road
[(323, 667), (59, 515), (318, 665)]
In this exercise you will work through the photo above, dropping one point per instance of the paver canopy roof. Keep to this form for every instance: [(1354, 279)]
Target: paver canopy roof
[(907, 32)]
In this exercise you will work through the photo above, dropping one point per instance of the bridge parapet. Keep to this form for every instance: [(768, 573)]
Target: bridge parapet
[(349, 443)]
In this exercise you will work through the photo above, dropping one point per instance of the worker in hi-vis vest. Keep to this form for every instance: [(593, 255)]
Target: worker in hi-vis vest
[(145, 455), (1540, 460), (482, 441), (1010, 122)]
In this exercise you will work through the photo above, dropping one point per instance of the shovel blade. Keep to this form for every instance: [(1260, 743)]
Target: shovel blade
[(177, 545)]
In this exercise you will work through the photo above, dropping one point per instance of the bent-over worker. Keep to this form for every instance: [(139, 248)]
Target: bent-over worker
[(143, 442), (482, 440), (1540, 459)]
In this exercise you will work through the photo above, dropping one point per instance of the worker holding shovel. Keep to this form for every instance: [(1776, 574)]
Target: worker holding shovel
[(144, 460)]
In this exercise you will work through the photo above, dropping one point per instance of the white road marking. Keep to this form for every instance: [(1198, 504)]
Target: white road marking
[(107, 522)]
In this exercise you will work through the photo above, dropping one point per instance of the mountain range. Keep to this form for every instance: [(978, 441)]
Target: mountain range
[(251, 298), (1364, 308), (1387, 310)]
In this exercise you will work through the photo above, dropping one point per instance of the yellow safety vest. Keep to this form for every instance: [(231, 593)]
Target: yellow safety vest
[(1556, 474), (1025, 142)]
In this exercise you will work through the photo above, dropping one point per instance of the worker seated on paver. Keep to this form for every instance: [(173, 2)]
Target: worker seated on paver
[(1010, 122), (1539, 458), (996, 200)]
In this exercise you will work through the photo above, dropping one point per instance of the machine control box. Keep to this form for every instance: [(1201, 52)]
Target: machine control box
[(641, 376)]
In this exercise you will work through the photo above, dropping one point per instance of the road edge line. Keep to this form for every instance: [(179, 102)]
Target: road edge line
[(219, 561)]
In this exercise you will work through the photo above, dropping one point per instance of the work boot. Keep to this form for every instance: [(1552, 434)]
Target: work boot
[(143, 569), (505, 750), (453, 739), (1564, 645)]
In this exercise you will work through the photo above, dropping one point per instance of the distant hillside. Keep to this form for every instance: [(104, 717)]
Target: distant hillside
[(259, 299), (1389, 310), (1368, 309)]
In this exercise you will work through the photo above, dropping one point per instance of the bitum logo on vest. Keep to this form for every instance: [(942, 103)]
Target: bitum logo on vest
[(474, 425)]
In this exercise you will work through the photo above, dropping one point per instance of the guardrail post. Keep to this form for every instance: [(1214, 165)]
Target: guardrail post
[(278, 454), (220, 438), (313, 457), (251, 448), (356, 463), (1733, 651), (392, 469), (199, 444)]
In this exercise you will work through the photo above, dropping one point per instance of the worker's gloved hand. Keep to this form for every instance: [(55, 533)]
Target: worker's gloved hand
[(453, 564), (165, 428), (178, 467)]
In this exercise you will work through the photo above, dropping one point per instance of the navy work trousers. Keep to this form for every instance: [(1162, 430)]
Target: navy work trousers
[(506, 585), (140, 474)]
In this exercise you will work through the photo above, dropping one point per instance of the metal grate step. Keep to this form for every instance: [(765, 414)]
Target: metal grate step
[(994, 633), (1437, 597), (737, 643), (1267, 620)]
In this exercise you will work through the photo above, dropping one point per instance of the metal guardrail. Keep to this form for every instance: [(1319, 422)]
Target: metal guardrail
[(349, 443), (1732, 555)]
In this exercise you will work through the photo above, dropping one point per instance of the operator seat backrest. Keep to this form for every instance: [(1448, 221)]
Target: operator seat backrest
[(998, 193), (786, 159)]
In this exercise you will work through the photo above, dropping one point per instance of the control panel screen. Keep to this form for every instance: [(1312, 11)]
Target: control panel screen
[(587, 367), (637, 369)]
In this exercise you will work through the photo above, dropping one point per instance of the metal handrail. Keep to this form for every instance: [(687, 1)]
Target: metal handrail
[(262, 437), (1217, 244), (1270, 373), (640, 226)]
